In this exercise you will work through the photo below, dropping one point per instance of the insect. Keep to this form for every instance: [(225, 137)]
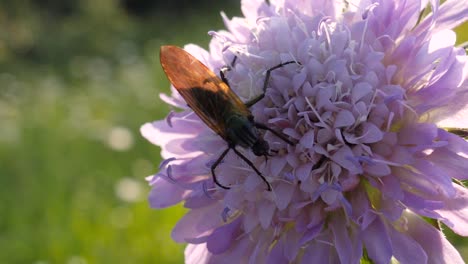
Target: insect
[(211, 98)]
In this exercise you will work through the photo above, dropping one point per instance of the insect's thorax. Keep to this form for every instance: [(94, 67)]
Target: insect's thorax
[(242, 131)]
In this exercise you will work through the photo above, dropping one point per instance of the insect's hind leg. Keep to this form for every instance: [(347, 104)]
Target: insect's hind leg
[(213, 167), (265, 84)]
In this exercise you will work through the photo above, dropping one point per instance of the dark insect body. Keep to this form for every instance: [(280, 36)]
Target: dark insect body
[(211, 98)]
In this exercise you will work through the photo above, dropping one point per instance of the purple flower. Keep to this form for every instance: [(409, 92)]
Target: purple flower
[(365, 107)]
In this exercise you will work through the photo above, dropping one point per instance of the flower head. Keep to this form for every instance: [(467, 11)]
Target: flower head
[(363, 106)]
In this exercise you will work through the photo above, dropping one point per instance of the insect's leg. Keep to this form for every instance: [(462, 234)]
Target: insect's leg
[(264, 127), (265, 84), (253, 167), (213, 167), (226, 68)]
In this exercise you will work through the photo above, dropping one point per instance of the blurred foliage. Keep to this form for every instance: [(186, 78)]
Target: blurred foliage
[(77, 80)]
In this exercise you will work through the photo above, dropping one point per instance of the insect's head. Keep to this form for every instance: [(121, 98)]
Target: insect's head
[(261, 147)]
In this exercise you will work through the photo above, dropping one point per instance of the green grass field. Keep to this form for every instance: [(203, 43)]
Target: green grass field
[(74, 91)]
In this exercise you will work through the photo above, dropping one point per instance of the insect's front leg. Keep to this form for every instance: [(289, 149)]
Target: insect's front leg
[(213, 167), (281, 136), (265, 83), (251, 165), (225, 69)]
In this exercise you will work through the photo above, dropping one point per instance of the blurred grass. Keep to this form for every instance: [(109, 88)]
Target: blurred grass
[(74, 89)]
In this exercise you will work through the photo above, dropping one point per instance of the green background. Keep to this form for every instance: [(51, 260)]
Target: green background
[(77, 80)]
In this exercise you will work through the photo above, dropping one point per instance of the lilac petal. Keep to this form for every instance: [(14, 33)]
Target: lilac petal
[(238, 253), (391, 187), (298, 79), (344, 118), (442, 183), (343, 156), (392, 209), (200, 53), (366, 219), (323, 98), (307, 139), (433, 241), (221, 239), (361, 208), (417, 134), (456, 143), (251, 8), (199, 198), (277, 164), (341, 238), (455, 211), (378, 169), (311, 233), (195, 254), (303, 171), (377, 243), (455, 165), (457, 119), (259, 253), (421, 205), (165, 194), (401, 155), (276, 255), (451, 14), (360, 90), (265, 213), (317, 253), (283, 195), (417, 181), (291, 245), (197, 223), (250, 222), (371, 133), (405, 249)]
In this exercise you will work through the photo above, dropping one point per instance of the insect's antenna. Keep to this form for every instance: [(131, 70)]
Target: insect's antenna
[(281, 136), (213, 167), (265, 84), (253, 167)]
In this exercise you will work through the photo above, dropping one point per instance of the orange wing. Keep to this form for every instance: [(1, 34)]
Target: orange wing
[(208, 96)]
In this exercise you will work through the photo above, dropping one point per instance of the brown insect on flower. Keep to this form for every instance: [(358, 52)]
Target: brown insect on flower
[(211, 98)]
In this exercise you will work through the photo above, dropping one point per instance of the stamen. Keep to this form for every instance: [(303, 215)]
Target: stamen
[(323, 29), (317, 115), (169, 118), (165, 162), (225, 213), (206, 191)]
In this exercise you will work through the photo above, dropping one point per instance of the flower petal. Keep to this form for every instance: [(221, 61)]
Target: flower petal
[(376, 242), (433, 241), (405, 249), (221, 239), (165, 194), (455, 211), (196, 253), (197, 224)]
